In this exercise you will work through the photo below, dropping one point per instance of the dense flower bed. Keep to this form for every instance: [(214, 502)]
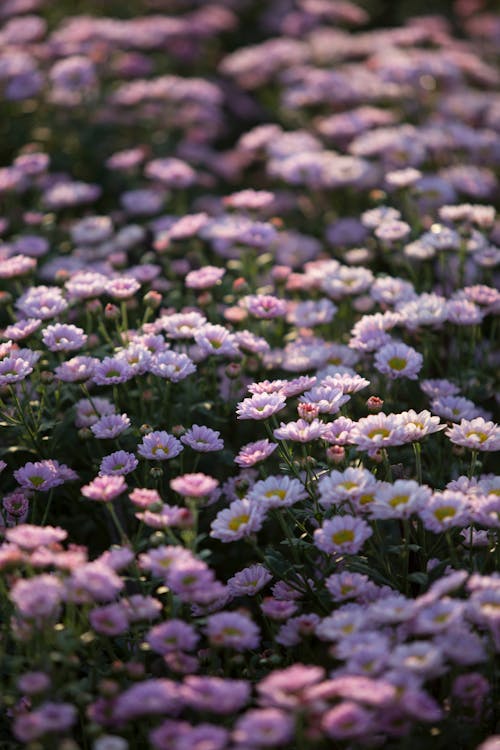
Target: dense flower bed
[(248, 377)]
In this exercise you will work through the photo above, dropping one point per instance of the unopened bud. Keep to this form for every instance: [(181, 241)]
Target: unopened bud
[(204, 299), (233, 370), (374, 404), (111, 312), (46, 377), (335, 454), (156, 472), (178, 430), (93, 306), (308, 411), (152, 299), (145, 429), (240, 284), (85, 433)]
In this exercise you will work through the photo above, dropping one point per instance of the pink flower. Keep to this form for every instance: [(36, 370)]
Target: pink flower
[(104, 488), (260, 406), (194, 485), (232, 630), (252, 453)]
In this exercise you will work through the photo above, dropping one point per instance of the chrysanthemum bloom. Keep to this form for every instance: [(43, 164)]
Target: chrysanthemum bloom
[(253, 453), (21, 329), (43, 475), (62, 337), (119, 462), (204, 278), (417, 426), (438, 387), (14, 369), (215, 339), (285, 688), (249, 580), (421, 658), (276, 492), (264, 727), (328, 398), (444, 510), (159, 446), (194, 485), (38, 598), (232, 630), (397, 360), (377, 431), (264, 306), (346, 585), (296, 629), (339, 487), (104, 488), (170, 365), (88, 412), (111, 371), (110, 426), (475, 434), (215, 694), (399, 500), (202, 439), (174, 635), (153, 696), (301, 431), (347, 720), (111, 619), (260, 406), (454, 408), (76, 370), (241, 519), (93, 581), (122, 287), (29, 536), (342, 535)]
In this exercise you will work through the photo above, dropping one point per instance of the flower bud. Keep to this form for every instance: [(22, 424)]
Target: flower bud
[(374, 404), (111, 312), (335, 454)]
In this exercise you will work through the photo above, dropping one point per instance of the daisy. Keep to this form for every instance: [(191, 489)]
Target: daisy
[(397, 360), (260, 406), (239, 520), (342, 535), (159, 446), (276, 492), (476, 434)]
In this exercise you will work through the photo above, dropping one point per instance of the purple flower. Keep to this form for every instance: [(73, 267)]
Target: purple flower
[(232, 630), (264, 727), (110, 426), (111, 619), (112, 370), (159, 446), (174, 635), (249, 580), (347, 720), (119, 462), (253, 453), (42, 475), (63, 338), (202, 439), (14, 369)]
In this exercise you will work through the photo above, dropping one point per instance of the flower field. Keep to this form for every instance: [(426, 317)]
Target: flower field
[(249, 364)]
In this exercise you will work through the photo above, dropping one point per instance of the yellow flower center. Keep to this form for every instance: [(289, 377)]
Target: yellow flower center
[(445, 511), (398, 500), (343, 536), (397, 363), (235, 523)]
